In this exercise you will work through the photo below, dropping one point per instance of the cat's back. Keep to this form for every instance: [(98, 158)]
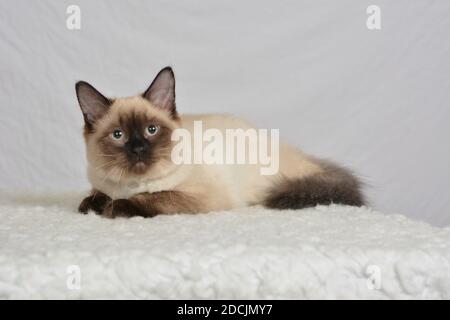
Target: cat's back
[(214, 121)]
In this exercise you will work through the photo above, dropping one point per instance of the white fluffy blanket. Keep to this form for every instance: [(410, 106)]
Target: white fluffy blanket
[(47, 250)]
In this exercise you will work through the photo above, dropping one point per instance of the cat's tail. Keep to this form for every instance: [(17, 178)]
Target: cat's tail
[(333, 184)]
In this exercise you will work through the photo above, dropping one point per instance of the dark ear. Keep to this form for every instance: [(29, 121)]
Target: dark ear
[(161, 92), (92, 103)]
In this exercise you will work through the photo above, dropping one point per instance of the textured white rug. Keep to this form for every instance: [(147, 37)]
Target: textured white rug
[(47, 250)]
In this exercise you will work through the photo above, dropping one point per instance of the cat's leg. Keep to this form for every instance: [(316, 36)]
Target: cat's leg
[(151, 204), (333, 185), (97, 202)]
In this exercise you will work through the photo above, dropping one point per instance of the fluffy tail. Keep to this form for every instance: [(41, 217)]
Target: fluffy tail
[(333, 185)]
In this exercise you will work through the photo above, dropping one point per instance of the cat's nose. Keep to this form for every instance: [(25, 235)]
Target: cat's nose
[(138, 150)]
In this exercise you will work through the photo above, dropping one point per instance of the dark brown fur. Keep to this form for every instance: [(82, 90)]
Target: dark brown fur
[(151, 204), (97, 202), (148, 93), (95, 95), (144, 204), (133, 124), (334, 185)]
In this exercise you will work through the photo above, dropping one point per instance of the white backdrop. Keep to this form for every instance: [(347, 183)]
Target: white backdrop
[(377, 101)]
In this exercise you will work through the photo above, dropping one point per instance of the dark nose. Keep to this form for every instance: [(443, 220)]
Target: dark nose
[(138, 150), (136, 147)]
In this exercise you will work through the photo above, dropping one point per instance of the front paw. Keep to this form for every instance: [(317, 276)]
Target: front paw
[(96, 202), (122, 208)]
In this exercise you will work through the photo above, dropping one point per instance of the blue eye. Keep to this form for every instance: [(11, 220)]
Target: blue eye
[(152, 129), (117, 134)]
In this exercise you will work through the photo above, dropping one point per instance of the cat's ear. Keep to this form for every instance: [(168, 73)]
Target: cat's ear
[(92, 103), (161, 92)]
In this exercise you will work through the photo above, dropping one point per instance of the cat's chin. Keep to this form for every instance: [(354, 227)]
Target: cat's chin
[(139, 167)]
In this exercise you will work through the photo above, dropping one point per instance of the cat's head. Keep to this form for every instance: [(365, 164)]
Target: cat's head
[(129, 136)]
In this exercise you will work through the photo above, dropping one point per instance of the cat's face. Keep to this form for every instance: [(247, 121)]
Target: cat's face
[(130, 136)]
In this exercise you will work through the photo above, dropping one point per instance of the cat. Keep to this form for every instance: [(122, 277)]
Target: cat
[(129, 147)]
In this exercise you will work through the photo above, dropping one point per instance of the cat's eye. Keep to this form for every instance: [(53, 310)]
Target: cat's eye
[(117, 134), (152, 129)]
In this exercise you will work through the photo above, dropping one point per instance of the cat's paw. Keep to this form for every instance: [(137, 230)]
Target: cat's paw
[(122, 208), (96, 202)]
